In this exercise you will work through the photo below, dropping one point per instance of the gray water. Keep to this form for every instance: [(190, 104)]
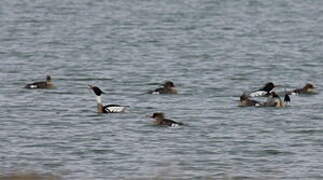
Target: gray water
[(213, 51)]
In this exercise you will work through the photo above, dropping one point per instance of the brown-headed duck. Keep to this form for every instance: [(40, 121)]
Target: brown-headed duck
[(41, 84), (309, 88), (160, 120), (168, 87), (246, 101)]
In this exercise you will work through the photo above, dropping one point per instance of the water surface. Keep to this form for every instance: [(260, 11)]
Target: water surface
[(212, 50)]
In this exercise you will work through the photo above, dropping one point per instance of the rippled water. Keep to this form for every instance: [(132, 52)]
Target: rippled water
[(212, 50)]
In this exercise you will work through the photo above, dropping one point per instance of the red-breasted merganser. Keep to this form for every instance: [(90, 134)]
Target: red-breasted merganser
[(307, 89), (168, 87), (111, 108), (246, 101), (264, 91), (160, 120), (42, 84)]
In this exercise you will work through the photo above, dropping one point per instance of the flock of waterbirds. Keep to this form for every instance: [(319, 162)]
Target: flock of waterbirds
[(168, 87), (273, 98)]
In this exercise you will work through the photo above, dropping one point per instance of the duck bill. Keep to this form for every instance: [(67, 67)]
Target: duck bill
[(149, 116)]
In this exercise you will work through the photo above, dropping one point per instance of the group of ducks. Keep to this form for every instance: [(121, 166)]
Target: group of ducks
[(273, 99), (168, 87)]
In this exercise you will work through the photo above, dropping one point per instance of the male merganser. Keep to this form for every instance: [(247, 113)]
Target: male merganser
[(42, 84), (160, 120), (168, 87), (264, 91), (307, 89), (111, 108), (246, 101), (275, 101)]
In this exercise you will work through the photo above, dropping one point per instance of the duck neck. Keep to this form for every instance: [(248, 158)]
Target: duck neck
[(49, 84), (279, 103), (100, 107), (243, 102), (174, 90), (158, 120), (98, 99)]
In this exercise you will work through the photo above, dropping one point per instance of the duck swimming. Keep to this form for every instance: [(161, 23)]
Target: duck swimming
[(111, 108), (264, 91), (309, 88), (160, 120), (168, 87), (41, 84), (246, 101)]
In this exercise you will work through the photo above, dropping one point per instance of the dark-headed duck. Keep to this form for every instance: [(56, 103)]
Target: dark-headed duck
[(111, 108), (41, 84), (264, 91), (168, 87), (160, 120)]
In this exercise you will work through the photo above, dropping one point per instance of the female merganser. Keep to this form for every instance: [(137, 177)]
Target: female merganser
[(160, 120), (167, 88), (275, 101), (42, 84), (264, 91), (246, 101), (307, 89), (111, 108)]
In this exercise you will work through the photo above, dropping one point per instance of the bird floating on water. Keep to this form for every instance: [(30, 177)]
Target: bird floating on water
[(41, 84), (111, 108), (246, 101), (309, 88), (168, 87), (161, 120)]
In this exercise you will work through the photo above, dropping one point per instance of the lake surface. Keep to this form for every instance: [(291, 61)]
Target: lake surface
[(212, 50)]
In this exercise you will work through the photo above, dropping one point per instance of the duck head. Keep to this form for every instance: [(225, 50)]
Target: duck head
[(96, 90), (169, 84), (309, 87), (48, 78), (268, 87)]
